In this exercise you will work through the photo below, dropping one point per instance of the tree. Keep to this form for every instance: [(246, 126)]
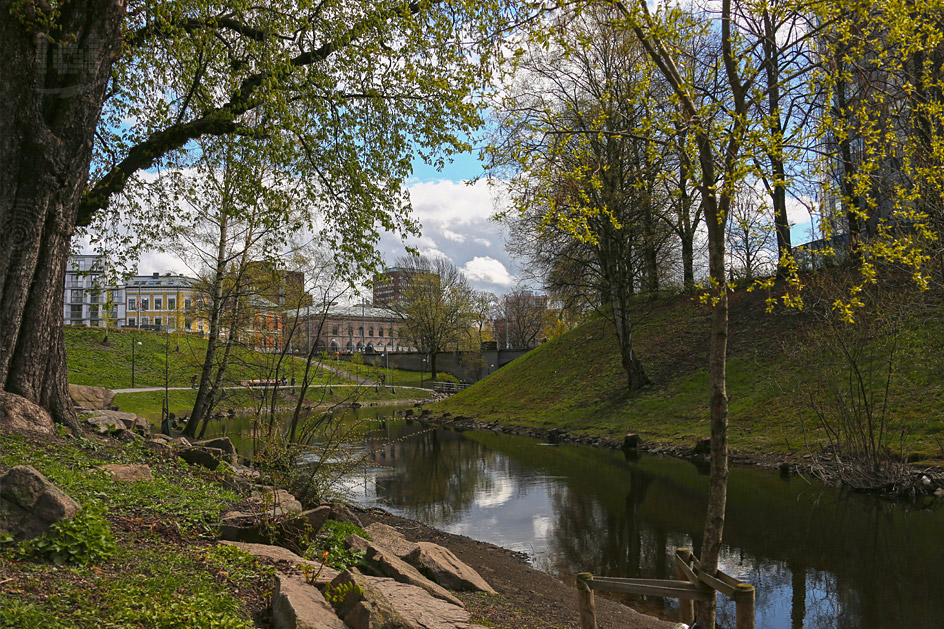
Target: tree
[(523, 316), (435, 306), (341, 93)]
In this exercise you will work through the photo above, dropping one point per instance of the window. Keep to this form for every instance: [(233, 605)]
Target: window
[(157, 303), (93, 311), (76, 296), (360, 331), (187, 303), (93, 298), (370, 331), (131, 322), (381, 330), (188, 324), (144, 320), (172, 303), (144, 305), (157, 321), (132, 304), (334, 330), (75, 312)]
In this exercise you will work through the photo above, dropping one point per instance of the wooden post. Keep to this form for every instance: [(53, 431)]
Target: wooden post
[(686, 606), (588, 613), (744, 603)]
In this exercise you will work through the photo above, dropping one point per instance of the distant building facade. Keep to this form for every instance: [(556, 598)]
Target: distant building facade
[(170, 302), (357, 328), (86, 300)]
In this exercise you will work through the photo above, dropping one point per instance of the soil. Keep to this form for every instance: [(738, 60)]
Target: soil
[(527, 598)]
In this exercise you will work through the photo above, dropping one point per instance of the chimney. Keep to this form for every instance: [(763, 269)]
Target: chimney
[(157, 275)]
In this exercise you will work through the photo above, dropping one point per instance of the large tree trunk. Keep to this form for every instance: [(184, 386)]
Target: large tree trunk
[(52, 100)]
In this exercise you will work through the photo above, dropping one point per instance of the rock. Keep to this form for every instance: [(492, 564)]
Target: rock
[(180, 442), (340, 512), (205, 457), (939, 492), (159, 446), (223, 444), (277, 554), (18, 414), (419, 608), (275, 501), (385, 564), (238, 526), (390, 539), (368, 608), (92, 398), (128, 473), (30, 504), (104, 425), (443, 567), (297, 605), (316, 517)]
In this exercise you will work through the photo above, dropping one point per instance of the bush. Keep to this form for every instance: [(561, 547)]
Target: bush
[(85, 539), (331, 540)]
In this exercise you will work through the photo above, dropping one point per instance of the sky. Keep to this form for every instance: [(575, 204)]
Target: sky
[(455, 219)]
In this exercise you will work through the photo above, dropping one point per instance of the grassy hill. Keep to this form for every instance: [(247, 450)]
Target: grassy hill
[(93, 362), (776, 361)]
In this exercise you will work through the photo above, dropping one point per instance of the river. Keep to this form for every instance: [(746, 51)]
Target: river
[(817, 556)]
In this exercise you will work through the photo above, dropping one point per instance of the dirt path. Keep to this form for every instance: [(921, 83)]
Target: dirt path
[(527, 598)]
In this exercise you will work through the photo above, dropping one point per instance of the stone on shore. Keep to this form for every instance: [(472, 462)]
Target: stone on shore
[(30, 504), (390, 539), (274, 501), (209, 458), (17, 414), (419, 608), (277, 554), (366, 607), (298, 605), (224, 445), (442, 566), (385, 564)]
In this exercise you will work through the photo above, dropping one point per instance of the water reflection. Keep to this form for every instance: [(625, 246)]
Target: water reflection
[(818, 557)]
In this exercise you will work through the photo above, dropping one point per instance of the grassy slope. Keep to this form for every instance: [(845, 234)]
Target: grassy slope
[(92, 362), (575, 381)]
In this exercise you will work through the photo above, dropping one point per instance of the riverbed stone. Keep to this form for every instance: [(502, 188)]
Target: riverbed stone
[(442, 566), (390, 539), (385, 564), (30, 503), (298, 605), (17, 414), (128, 473)]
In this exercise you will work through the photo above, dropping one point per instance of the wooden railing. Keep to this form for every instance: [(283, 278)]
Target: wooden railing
[(693, 584)]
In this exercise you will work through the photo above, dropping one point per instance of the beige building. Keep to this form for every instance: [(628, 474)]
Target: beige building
[(164, 301)]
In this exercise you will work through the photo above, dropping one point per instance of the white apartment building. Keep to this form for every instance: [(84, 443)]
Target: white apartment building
[(86, 300)]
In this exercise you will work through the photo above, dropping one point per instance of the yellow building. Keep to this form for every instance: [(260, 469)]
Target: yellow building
[(164, 301)]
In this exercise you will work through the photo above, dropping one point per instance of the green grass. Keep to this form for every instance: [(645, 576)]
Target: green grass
[(162, 573), (575, 382), (149, 403), (374, 368), (92, 362)]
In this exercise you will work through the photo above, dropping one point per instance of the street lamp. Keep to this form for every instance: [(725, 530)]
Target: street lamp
[(422, 372), (133, 343)]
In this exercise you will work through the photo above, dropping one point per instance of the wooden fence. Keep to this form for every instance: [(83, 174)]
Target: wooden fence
[(693, 584)]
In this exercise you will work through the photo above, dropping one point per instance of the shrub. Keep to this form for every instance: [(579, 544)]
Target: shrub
[(85, 539), (331, 540)]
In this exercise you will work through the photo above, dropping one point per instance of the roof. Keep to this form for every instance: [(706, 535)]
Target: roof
[(145, 281), (357, 311)]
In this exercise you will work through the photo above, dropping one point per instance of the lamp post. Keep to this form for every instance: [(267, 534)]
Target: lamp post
[(133, 343), (165, 412), (422, 372)]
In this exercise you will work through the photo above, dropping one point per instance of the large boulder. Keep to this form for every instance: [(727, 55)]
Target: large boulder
[(30, 504), (443, 567), (274, 501), (209, 458), (364, 606), (420, 609), (224, 445), (17, 414), (390, 539), (92, 398), (297, 605), (113, 421), (384, 564)]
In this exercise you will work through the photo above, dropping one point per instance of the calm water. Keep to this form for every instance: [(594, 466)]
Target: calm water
[(818, 557)]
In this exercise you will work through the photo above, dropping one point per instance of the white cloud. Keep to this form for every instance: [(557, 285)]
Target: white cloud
[(483, 241), (451, 204), (487, 270), (453, 236)]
